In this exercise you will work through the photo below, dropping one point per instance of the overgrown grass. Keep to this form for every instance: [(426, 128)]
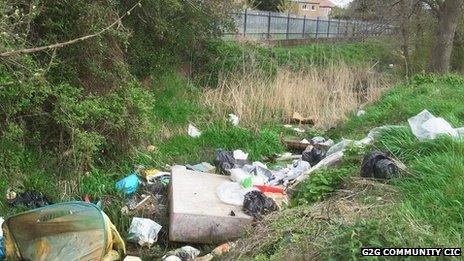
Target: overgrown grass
[(421, 208), (221, 58), (326, 94)]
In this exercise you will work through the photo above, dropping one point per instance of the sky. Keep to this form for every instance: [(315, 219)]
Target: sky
[(341, 2)]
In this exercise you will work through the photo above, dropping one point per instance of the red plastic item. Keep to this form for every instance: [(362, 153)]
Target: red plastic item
[(270, 189), (86, 199)]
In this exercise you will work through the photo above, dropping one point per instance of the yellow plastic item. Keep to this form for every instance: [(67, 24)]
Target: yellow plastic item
[(65, 231)]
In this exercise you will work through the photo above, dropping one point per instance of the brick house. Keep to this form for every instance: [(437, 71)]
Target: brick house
[(312, 8)]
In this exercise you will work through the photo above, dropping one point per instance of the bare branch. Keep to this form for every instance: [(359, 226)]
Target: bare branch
[(63, 44)]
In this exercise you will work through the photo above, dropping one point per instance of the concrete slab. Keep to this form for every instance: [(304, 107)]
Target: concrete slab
[(196, 213)]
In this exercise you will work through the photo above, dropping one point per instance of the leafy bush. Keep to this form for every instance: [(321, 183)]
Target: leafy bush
[(82, 104)]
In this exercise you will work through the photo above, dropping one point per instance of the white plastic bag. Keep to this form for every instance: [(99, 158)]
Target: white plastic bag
[(321, 141), (240, 155), (426, 126), (143, 231), (460, 131), (239, 175), (231, 193), (299, 130), (339, 147), (298, 168), (234, 119), (193, 131)]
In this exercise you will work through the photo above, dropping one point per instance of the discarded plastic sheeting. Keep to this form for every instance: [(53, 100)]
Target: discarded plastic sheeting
[(265, 174), (322, 142), (299, 167), (280, 175), (288, 156), (339, 147), (65, 231), (172, 258), (360, 113), (128, 185), (245, 178), (426, 126), (184, 253), (331, 160), (460, 131), (258, 171), (378, 165), (231, 193), (143, 231), (240, 155), (193, 131)]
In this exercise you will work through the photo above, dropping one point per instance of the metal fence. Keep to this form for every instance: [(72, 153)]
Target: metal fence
[(271, 25)]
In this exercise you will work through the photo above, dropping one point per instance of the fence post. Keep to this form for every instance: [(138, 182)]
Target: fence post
[(288, 25), (328, 29), (338, 28), (317, 27), (304, 27), (353, 24), (269, 26), (366, 29), (245, 22)]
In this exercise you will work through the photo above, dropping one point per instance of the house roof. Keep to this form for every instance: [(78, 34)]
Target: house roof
[(327, 3), (321, 3), (316, 2)]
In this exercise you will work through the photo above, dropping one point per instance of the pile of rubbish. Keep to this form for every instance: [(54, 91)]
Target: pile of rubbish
[(193, 203)]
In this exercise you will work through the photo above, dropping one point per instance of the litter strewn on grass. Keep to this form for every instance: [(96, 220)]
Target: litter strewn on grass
[(426, 126), (193, 131)]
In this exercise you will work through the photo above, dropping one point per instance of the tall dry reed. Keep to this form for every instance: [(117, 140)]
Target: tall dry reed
[(327, 94)]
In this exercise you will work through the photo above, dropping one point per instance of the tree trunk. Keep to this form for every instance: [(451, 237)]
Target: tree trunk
[(419, 28), (448, 18), (404, 14), (458, 51)]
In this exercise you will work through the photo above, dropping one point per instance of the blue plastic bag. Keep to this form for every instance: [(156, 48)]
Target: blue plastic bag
[(128, 185), (2, 253)]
